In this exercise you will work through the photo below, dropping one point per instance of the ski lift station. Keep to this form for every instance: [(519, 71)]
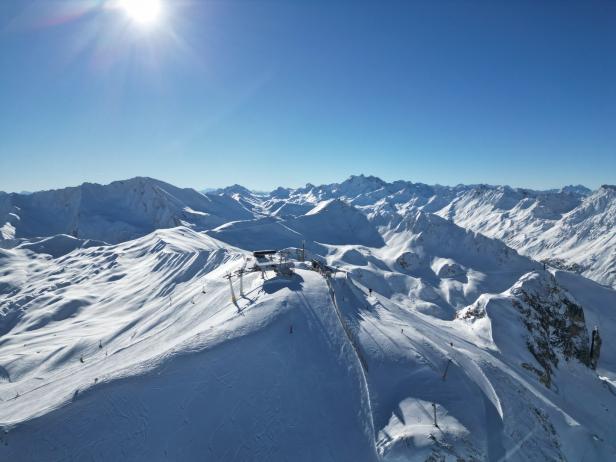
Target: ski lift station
[(272, 260), (265, 259), (283, 262)]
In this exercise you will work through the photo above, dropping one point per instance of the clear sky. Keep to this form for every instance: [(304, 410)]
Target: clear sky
[(284, 92)]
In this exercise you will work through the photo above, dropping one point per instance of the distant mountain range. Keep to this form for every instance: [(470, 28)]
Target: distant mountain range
[(572, 228)]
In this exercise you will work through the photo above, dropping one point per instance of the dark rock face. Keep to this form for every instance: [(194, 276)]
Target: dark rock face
[(595, 348), (561, 264), (555, 324)]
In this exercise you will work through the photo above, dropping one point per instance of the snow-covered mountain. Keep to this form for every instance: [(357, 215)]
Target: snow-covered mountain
[(127, 342), (571, 228), (113, 213)]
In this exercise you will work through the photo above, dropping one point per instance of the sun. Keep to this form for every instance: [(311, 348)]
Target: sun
[(143, 12)]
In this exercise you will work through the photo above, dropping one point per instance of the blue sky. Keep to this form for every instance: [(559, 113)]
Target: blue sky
[(268, 93)]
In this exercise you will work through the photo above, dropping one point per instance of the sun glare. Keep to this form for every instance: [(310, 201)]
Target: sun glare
[(143, 12)]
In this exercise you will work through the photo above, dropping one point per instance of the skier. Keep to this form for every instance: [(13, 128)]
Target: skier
[(291, 329), (370, 292)]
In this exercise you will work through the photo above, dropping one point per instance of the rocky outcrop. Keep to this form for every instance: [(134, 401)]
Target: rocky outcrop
[(554, 321)]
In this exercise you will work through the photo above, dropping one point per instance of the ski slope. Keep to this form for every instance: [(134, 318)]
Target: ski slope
[(169, 371)]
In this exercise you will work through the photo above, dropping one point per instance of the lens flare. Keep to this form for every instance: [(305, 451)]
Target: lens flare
[(143, 12)]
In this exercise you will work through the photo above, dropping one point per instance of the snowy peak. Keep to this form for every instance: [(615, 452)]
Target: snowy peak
[(233, 190), (330, 222), (332, 207), (175, 240), (437, 235), (280, 193), (116, 212), (599, 207), (336, 222), (577, 190), (416, 221), (356, 185)]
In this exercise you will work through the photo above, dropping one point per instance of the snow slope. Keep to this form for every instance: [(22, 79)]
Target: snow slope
[(433, 265), (169, 371), (329, 222), (565, 229), (135, 350)]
